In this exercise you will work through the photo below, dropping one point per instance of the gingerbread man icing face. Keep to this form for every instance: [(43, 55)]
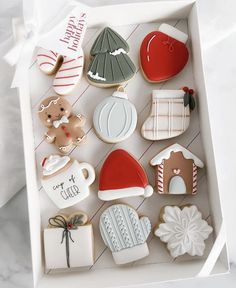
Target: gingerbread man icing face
[(52, 109), (64, 127)]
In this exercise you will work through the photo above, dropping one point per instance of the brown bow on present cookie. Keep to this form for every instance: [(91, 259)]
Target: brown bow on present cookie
[(65, 128)]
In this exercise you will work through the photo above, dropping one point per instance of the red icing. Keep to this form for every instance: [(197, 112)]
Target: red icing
[(162, 56), (121, 170)]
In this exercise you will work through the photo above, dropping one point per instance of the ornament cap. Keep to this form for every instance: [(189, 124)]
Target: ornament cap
[(120, 93)]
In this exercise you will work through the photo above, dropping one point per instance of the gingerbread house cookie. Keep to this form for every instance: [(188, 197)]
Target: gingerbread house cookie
[(176, 170)]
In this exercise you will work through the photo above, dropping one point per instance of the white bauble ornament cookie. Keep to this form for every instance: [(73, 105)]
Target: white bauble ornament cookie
[(115, 118)]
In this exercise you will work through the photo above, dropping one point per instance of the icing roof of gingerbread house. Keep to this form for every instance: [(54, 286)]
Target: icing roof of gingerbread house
[(165, 154)]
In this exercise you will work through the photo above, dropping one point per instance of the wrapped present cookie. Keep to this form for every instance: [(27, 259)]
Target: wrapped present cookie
[(110, 64), (65, 180), (68, 71), (115, 118), (170, 114), (64, 127), (68, 241), (176, 170), (183, 230), (122, 176), (124, 233), (163, 53)]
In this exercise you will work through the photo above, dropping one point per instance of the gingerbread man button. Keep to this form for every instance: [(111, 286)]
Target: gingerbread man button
[(65, 128)]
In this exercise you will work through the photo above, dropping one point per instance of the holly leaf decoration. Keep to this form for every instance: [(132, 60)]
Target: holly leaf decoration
[(77, 220), (192, 103), (186, 99)]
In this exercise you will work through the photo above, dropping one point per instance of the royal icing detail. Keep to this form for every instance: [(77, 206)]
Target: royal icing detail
[(110, 64), (122, 176), (64, 181), (65, 128), (184, 230), (169, 116), (68, 241), (54, 163), (115, 118), (67, 75), (96, 76), (124, 233), (118, 52), (176, 170), (163, 53), (47, 60)]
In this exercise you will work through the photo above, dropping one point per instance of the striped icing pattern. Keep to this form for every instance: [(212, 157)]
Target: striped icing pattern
[(47, 60), (194, 179), (69, 74), (160, 181)]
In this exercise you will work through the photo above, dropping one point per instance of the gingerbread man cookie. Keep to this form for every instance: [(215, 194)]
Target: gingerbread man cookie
[(65, 128)]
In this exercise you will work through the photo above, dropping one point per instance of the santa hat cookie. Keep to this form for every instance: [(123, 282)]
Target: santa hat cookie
[(122, 176), (163, 53)]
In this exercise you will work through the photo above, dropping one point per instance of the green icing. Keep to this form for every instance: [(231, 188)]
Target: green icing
[(113, 69), (108, 41), (110, 64)]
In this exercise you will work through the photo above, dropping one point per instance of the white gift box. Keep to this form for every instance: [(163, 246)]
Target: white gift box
[(80, 247), (156, 267)]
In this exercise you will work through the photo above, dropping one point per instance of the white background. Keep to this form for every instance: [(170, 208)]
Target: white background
[(218, 30)]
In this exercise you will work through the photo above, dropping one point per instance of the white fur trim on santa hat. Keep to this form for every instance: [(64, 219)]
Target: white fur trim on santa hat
[(131, 254), (173, 32), (108, 195)]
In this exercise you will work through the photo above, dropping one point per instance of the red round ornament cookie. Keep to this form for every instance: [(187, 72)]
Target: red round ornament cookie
[(163, 53), (122, 176)]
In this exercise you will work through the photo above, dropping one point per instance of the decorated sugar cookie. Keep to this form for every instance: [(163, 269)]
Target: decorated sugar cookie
[(176, 170), (124, 233), (115, 118), (68, 71), (110, 64), (64, 127), (122, 176), (183, 230), (170, 114), (68, 241), (163, 53), (65, 180)]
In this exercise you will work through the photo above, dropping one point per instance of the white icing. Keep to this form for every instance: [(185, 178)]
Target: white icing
[(115, 118), (96, 76), (148, 47), (165, 154), (81, 250), (69, 74), (70, 186), (54, 163), (49, 104), (63, 119), (113, 194), (184, 231), (173, 32), (177, 185), (167, 94), (118, 52)]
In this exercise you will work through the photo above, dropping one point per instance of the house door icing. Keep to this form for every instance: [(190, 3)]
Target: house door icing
[(177, 185)]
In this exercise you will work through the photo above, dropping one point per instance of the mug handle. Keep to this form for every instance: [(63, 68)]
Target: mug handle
[(90, 170)]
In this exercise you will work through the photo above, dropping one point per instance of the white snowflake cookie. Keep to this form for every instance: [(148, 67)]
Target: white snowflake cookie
[(183, 229)]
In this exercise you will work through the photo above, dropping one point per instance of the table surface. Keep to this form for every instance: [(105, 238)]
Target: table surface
[(218, 27)]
